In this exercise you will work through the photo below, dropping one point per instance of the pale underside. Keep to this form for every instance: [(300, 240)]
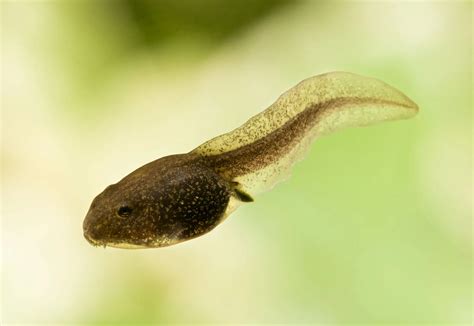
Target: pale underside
[(315, 107)]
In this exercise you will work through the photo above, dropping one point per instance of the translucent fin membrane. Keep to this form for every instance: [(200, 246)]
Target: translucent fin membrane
[(261, 152)]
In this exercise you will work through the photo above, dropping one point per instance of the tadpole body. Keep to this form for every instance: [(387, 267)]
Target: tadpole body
[(181, 197)]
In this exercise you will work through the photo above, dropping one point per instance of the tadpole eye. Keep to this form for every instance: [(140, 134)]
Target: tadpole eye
[(124, 211)]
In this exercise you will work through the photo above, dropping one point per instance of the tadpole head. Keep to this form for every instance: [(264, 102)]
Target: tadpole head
[(117, 216)]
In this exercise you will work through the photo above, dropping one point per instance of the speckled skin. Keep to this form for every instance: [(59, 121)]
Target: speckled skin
[(172, 199), (180, 197)]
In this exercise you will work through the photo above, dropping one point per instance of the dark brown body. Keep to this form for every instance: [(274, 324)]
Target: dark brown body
[(172, 199)]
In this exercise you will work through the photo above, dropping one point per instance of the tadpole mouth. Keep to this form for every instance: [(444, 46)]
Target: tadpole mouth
[(92, 241), (89, 232)]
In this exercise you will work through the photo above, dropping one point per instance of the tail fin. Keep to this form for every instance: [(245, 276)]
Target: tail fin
[(262, 151)]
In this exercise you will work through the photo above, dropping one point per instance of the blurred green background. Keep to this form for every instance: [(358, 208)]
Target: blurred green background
[(375, 226)]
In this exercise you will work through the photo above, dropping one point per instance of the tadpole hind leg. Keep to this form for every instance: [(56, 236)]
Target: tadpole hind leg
[(241, 194)]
